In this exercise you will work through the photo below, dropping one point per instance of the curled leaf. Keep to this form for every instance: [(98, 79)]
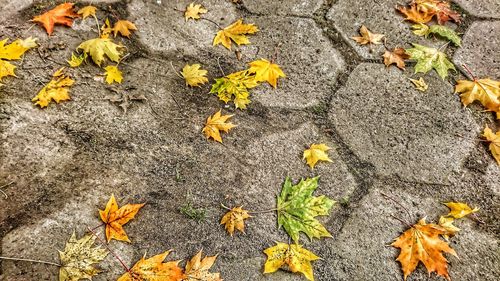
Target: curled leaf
[(57, 90), (197, 269), (235, 219), (367, 37), (397, 56)]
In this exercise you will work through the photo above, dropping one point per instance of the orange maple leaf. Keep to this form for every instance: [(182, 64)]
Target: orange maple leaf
[(154, 269), (415, 15), (115, 218), (62, 14), (421, 243)]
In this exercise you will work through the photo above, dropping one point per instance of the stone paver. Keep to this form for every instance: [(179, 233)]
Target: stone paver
[(387, 122), (481, 8), (292, 7), (481, 46)]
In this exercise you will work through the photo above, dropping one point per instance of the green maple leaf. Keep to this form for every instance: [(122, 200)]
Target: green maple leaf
[(428, 58), (78, 258), (441, 30), (297, 209), (235, 87)]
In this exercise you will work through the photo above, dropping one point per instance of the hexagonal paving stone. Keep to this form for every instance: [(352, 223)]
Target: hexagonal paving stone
[(292, 7), (387, 122), (480, 49), (481, 8)]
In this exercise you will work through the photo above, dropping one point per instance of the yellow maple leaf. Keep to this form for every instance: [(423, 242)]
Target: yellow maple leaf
[(123, 27), (106, 29), (266, 71), (421, 243), (194, 76), (447, 223), (315, 153), (16, 49), (99, 47), (235, 219), (113, 74), (236, 32), (235, 87), (6, 69), (215, 124), (193, 11), (87, 11), (294, 256), (77, 60), (486, 91), (57, 89), (367, 37), (495, 142), (154, 269), (115, 218), (420, 84), (459, 210), (197, 269)]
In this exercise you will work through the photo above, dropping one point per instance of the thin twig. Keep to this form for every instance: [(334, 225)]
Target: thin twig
[(469, 71), (175, 71), (218, 63), (399, 204), (3, 186), (402, 221), (30, 260), (251, 212), (218, 26)]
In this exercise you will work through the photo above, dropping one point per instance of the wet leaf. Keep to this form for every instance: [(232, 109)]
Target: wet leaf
[(296, 258), (430, 58), (194, 75), (197, 269), (194, 11), (62, 15), (236, 32), (215, 124), (266, 71), (315, 153), (235, 219), (154, 269), (115, 218), (367, 37), (57, 89)]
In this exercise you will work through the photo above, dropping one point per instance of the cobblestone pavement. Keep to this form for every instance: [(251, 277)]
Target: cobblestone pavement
[(387, 138)]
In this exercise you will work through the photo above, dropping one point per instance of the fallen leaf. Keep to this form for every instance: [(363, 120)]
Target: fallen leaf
[(99, 47), (235, 87), (297, 209), (87, 11), (397, 56), (115, 218), (459, 210), (215, 124), (193, 11), (266, 71), (197, 269), (495, 142), (27, 43), (447, 223), (79, 257), (235, 219), (57, 89), (420, 84), (296, 258), (154, 269), (6, 69), (62, 14), (195, 77), (486, 91), (413, 14), (113, 74), (421, 243), (16, 49), (106, 29), (236, 32), (441, 9), (428, 58), (440, 30), (315, 153), (123, 27), (123, 98), (367, 37), (76, 61)]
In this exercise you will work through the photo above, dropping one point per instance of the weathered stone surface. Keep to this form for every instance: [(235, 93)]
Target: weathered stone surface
[(481, 8), (480, 49), (387, 122), (379, 17), (8, 7), (292, 7)]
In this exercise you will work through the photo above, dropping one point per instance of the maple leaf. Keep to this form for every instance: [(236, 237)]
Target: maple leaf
[(235, 219), (113, 74), (77, 60), (459, 210), (495, 142), (115, 218), (193, 11), (87, 11), (79, 257), (154, 269), (236, 32), (266, 71), (315, 153), (440, 9), (443, 31), (428, 58), (421, 243), (62, 14), (99, 47), (297, 209), (294, 256), (195, 77), (197, 269), (413, 14), (57, 89), (16, 49), (215, 124), (420, 84), (486, 91), (235, 86), (6, 69), (123, 27), (367, 37), (397, 56), (447, 223), (106, 29)]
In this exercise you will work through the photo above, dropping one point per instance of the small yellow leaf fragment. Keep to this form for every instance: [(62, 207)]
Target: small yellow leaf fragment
[(236, 32), (420, 84), (235, 219), (315, 153), (197, 269), (77, 60), (494, 140), (57, 89), (6, 69), (447, 223), (113, 74), (294, 256), (193, 11), (28, 43), (459, 210), (106, 29), (87, 11), (367, 37), (215, 124), (115, 218), (266, 71), (194, 75), (154, 269), (123, 27)]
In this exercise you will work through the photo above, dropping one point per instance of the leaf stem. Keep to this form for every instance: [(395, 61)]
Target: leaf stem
[(109, 249), (30, 260), (469, 71), (175, 71), (252, 212), (399, 204), (98, 27)]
